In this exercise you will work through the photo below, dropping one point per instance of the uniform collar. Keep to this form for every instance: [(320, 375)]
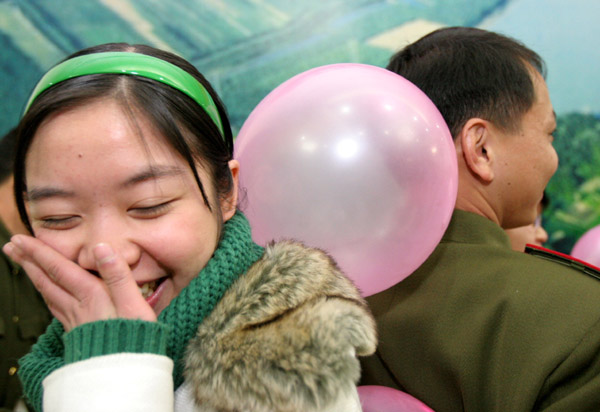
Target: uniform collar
[(467, 227)]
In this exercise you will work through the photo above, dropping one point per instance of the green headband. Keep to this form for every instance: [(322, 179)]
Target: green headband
[(135, 64)]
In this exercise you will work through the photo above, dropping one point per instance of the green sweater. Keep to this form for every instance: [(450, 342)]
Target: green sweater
[(169, 336)]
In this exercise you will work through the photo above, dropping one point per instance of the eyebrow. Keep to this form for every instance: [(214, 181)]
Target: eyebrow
[(151, 173), (37, 194)]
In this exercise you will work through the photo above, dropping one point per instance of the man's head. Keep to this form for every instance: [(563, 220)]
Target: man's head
[(469, 72), (491, 91)]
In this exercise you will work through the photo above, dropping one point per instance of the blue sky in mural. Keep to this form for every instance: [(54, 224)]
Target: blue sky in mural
[(565, 34)]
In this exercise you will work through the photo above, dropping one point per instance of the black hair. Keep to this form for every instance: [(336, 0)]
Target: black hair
[(469, 72), (8, 144), (184, 124)]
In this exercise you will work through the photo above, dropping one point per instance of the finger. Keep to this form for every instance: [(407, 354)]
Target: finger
[(56, 298), (122, 287), (12, 251), (75, 280)]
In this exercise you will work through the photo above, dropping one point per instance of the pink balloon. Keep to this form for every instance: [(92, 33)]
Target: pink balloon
[(353, 159), (587, 248), (382, 399)]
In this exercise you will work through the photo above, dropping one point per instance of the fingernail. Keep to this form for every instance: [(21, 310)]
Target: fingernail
[(17, 240), (8, 248), (103, 253)]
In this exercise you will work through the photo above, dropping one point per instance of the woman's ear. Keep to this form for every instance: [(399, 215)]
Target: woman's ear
[(229, 203), (477, 149)]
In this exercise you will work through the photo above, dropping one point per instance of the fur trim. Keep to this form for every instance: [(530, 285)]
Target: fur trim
[(284, 337)]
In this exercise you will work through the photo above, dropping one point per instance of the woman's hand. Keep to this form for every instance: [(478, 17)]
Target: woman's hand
[(74, 295)]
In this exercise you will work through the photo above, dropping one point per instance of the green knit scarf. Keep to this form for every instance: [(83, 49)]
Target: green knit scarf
[(235, 254)]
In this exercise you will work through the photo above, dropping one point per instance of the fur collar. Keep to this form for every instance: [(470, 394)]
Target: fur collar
[(284, 337)]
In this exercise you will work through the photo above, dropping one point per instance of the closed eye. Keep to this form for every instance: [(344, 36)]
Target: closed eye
[(58, 222), (149, 212)]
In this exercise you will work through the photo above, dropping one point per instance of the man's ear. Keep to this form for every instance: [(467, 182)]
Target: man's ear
[(477, 149), (229, 204)]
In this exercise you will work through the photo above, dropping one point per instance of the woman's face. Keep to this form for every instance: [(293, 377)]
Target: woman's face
[(91, 179)]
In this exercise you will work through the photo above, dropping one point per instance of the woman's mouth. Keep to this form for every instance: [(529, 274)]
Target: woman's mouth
[(148, 289)]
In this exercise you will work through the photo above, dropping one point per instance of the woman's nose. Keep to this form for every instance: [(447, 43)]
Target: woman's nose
[(117, 236)]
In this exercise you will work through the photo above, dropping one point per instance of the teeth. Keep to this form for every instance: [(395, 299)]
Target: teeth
[(147, 289)]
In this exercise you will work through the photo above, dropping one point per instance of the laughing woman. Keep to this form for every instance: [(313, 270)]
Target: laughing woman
[(125, 178)]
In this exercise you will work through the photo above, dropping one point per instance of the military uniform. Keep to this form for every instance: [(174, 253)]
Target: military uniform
[(23, 317), (479, 327)]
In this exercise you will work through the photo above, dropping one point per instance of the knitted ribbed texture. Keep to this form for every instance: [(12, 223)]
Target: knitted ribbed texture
[(114, 336), (44, 358), (177, 323), (235, 254)]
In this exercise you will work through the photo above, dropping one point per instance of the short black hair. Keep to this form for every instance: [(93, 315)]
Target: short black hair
[(8, 144), (469, 72)]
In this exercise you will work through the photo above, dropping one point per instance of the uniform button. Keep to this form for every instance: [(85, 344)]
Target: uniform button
[(15, 271), (15, 319), (12, 370)]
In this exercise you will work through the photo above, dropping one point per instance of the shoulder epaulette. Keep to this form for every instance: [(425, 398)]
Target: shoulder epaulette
[(564, 259)]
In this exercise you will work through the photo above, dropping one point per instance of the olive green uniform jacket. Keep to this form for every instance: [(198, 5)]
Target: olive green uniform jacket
[(479, 327), (23, 317)]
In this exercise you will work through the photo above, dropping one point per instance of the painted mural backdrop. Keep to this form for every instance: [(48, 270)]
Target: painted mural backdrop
[(248, 47)]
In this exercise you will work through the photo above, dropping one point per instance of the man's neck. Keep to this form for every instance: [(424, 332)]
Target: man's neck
[(472, 200)]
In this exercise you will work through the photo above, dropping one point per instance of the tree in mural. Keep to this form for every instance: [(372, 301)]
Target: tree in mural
[(574, 191)]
